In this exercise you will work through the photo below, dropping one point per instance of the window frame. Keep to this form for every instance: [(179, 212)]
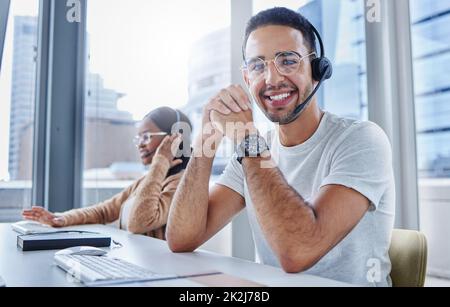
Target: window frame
[(390, 75), (4, 12), (60, 84)]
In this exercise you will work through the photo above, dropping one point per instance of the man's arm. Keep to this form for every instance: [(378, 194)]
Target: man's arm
[(196, 213), (301, 233)]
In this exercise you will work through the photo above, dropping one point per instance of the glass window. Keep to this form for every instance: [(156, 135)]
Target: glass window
[(17, 93), (431, 52), (342, 27), (145, 54), (430, 30), (160, 54)]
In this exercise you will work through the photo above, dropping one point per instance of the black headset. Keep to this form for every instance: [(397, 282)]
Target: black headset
[(321, 68)]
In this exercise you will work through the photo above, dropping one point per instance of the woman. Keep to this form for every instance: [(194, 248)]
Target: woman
[(143, 207)]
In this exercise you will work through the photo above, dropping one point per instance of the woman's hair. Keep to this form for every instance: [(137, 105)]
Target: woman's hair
[(169, 120), (166, 118)]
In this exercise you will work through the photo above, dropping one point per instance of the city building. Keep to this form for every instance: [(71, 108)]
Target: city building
[(105, 124), (431, 54), (209, 71), (22, 91)]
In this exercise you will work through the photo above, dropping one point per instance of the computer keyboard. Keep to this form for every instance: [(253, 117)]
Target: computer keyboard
[(99, 270)]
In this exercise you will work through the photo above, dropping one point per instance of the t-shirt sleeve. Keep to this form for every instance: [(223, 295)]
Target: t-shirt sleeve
[(233, 176), (363, 162)]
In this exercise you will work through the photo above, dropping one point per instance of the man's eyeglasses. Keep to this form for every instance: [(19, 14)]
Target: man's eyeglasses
[(146, 138), (287, 63)]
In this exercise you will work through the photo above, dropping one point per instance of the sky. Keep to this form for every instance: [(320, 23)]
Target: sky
[(140, 48)]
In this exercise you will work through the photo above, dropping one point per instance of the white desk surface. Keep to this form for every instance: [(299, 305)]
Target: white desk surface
[(37, 268)]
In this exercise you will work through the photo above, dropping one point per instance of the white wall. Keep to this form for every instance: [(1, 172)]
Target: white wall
[(434, 213)]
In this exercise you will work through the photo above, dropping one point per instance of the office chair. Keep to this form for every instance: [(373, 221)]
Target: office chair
[(408, 254)]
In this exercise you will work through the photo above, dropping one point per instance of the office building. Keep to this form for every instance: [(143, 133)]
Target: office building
[(22, 90), (431, 55), (341, 25), (209, 71), (101, 112)]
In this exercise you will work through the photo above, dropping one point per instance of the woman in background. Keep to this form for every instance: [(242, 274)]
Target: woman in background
[(143, 207)]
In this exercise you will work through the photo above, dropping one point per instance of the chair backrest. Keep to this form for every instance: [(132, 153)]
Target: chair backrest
[(408, 254)]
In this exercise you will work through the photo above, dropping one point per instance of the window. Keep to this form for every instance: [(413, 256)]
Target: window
[(172, 53), (17, 93), (138, 67), (431, 51), (431, 55), (342, 27)]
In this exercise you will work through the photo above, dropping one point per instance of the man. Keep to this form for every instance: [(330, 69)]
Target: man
[(327, 208)]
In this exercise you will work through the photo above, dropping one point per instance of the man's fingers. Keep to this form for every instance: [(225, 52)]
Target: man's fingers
[(218, 106), (228, 100), (240, 96)]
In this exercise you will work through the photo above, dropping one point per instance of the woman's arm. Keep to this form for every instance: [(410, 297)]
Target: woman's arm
[(102, 213), (153, 198), (154, 194)]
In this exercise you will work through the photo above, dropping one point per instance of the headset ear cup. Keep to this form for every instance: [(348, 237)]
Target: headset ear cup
[(326, 68), (315, 69), (321, 69)]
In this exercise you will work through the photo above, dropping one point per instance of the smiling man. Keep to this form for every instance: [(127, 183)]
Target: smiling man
[(326, 207)]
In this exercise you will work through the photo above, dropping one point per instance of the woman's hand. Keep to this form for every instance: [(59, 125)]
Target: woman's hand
[(169, 148), (43, 216)]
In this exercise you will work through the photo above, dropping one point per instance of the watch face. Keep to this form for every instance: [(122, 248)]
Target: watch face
[(252, 146)]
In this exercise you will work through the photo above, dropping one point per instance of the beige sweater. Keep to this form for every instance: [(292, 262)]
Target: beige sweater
[(153, 194)]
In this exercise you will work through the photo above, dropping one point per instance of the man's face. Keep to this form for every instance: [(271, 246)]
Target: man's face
[(271, 89)]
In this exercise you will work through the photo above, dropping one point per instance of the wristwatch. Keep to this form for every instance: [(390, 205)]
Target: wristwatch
[(252, 146)]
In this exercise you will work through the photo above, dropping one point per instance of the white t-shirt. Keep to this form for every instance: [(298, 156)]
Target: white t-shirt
[(343, 152)]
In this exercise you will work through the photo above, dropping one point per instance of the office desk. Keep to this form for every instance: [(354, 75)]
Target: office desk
[(38, 269)]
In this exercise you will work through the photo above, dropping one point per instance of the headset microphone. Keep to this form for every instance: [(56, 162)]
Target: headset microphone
[(322, 70)]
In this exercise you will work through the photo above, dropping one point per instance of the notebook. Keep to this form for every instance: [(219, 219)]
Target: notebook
[(61, 240)]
